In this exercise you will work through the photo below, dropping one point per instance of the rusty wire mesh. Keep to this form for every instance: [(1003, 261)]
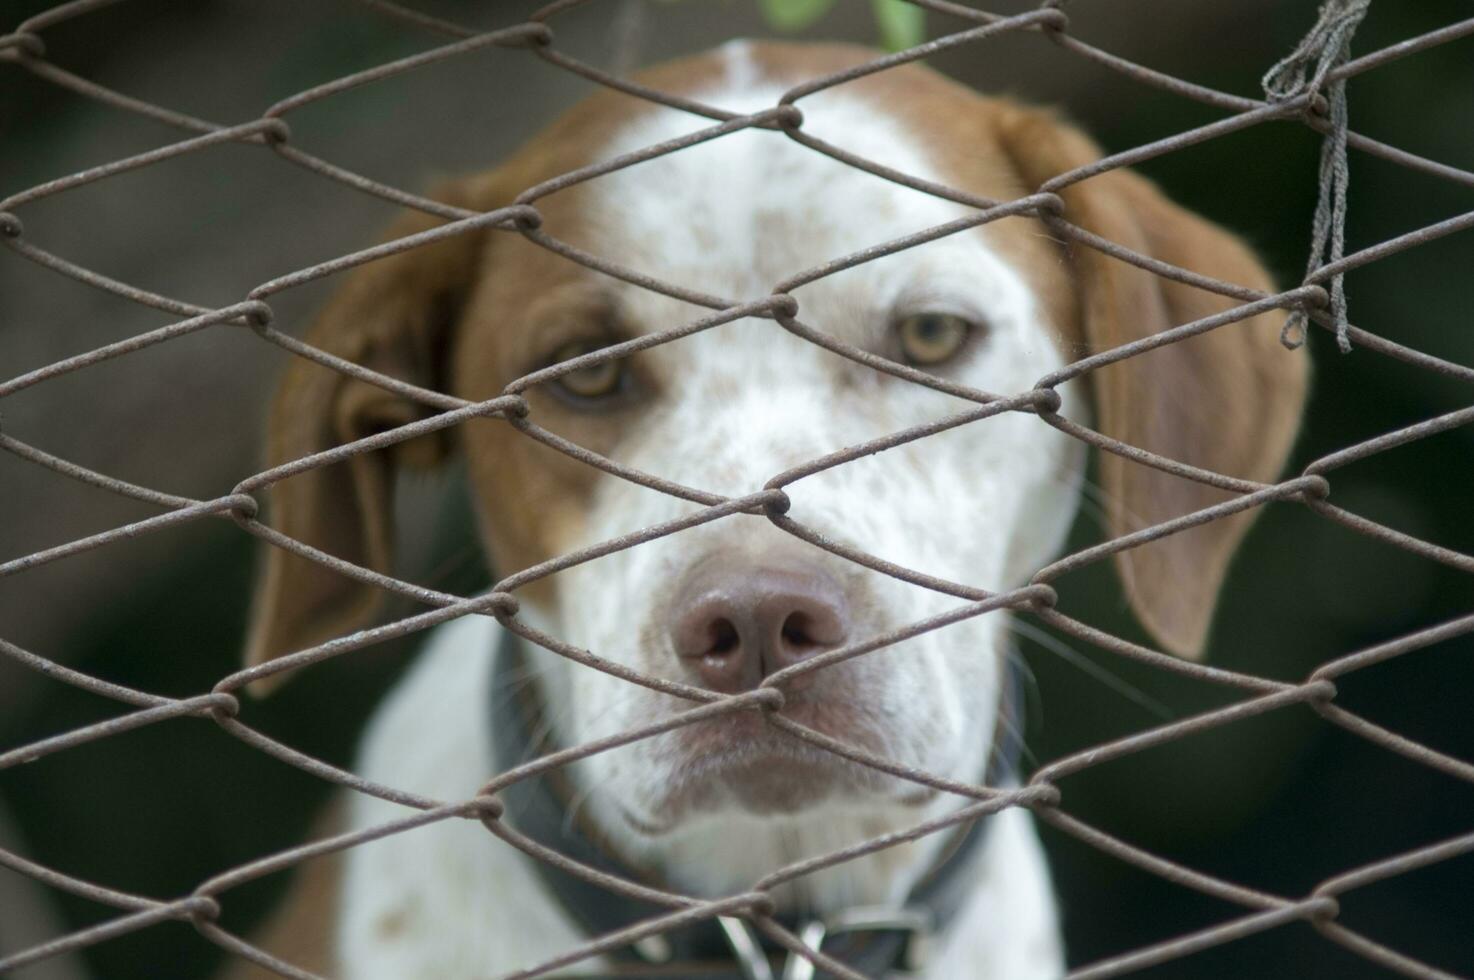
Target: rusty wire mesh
[(25, 49)]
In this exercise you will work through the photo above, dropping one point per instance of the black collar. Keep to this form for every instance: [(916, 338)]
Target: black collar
[(873, 942)]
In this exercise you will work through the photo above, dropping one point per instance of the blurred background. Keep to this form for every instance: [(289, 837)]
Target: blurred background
[(1279, 802)]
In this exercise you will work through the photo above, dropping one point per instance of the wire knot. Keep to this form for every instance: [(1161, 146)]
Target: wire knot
[(1058, 22), (223, 704), (517, 407), (1321, 691), (276, 131), (1040, 596), (1305, 72), (1323, 908), (1047, 401), (1048, 205), (1313, 296), (257, 314), (761, 903), (502, 605), (538, 35), (198, 907), (769, 699), (788, 117), (243, 505), (25, 42), (784, 305), (525, 217), (1314, 485), (487, 808), (1041, 794)]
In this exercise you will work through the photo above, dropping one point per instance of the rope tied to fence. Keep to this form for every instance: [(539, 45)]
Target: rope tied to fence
[(1327, 45)]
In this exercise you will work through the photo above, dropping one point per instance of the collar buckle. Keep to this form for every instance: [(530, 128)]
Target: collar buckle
[(747, 949), (916, 923)]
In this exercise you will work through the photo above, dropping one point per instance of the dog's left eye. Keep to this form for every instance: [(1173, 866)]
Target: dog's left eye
[(596, 381), (927, 339)]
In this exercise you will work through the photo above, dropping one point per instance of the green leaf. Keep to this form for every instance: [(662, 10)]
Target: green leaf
[(902, 25), (793, 15)]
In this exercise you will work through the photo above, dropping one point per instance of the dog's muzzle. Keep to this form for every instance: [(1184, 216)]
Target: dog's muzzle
[(876, 941)]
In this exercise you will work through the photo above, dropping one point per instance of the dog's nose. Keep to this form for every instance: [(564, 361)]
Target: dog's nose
[(735, 625)]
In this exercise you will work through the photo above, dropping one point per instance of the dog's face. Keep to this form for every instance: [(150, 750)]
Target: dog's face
[(727, 604)]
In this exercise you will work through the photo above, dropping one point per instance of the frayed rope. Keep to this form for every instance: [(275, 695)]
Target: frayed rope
[(1304, 71)]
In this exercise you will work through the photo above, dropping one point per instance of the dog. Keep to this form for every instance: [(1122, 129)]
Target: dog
[(708, 809)]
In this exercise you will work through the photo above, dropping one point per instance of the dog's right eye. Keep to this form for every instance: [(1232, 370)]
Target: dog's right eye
[(596, 381), (930, 339)]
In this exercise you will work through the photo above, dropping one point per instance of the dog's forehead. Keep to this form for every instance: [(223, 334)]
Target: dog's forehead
[(742, 213), (737, 215)]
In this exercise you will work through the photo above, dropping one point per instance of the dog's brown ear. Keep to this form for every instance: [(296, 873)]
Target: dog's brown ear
[(392, 315), (1228, 400)]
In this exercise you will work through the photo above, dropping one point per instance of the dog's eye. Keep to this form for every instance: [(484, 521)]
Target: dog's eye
[(595, 381), (931, 338)]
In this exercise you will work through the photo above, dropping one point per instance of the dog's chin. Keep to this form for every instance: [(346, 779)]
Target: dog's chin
[(740, 764)]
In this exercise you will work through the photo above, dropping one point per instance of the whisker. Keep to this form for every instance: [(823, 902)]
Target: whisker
[(580, 797), (1077, 659), (1011, 727), (1093, 501)]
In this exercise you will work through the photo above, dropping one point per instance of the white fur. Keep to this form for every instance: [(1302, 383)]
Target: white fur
[(985, 504)]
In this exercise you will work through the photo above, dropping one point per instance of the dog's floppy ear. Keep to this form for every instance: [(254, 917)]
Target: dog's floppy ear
[(1228, 400), (393, 315)]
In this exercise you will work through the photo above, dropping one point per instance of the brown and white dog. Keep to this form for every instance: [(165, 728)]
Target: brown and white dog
[(709, 809)]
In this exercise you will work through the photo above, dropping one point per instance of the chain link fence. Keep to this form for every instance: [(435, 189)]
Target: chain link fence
[(1315, 100)]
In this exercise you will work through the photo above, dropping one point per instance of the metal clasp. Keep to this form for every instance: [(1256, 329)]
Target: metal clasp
[(747, 951), (916, 923)]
